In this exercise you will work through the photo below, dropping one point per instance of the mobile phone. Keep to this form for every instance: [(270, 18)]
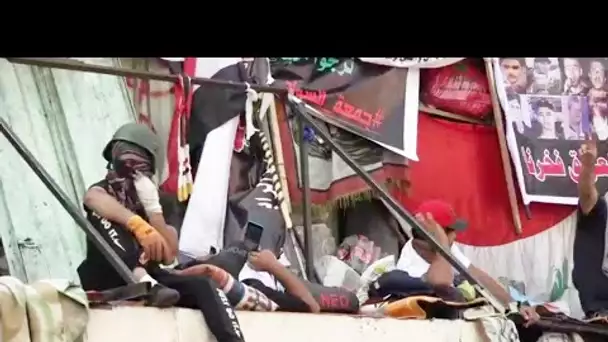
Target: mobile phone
[(253, 235)]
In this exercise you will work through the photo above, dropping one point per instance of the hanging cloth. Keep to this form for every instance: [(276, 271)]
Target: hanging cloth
[(211, 133), (178, 151)]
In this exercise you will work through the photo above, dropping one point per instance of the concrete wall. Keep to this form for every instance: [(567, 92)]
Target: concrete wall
[(128, 324)]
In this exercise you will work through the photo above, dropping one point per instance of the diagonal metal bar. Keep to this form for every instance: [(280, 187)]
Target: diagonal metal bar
[(306, 212), (74, 65), (304, 112), (65, 202)]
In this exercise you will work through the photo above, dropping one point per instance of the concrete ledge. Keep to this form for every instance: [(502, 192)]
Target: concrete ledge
[(129, 324)]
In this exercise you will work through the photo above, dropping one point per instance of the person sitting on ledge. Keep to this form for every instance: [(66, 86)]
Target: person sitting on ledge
[(124, 207), (420, 260)]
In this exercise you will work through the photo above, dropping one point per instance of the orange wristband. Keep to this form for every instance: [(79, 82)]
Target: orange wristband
[(139, 227)]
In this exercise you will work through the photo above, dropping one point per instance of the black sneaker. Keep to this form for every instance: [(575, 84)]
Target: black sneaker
[(161, 296)]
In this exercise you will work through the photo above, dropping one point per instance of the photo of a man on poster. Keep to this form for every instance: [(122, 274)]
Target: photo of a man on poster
[(547, 112), (575, 82), (514, 73), (518, 118), (596, 72), (574, 128), (599, 116), (598, 96), (546, 76)]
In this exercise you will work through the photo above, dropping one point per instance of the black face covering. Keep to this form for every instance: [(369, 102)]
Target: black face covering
[(127, 160)]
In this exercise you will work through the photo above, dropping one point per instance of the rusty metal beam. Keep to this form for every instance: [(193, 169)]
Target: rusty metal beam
[(73, 65)]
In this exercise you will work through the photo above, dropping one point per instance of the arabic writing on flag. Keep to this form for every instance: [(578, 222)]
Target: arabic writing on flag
[(550, 105), (365, 99)]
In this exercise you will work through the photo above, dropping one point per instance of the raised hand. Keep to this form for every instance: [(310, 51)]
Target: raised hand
[(431, 226), (588, 150)]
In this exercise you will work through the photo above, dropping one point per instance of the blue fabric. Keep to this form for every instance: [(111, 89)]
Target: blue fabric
[(398, 283)]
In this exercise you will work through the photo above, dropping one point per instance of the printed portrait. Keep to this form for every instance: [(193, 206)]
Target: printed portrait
[(575, 118), (574, 79), (595, 70), (547, 117), (516, 117), (544, 76), (514, 74)]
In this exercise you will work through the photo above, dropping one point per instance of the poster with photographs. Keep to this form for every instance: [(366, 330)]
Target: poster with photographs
[(550, 105)]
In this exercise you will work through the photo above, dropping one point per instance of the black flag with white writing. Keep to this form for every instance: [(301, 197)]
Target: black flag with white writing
[(365, 99), (261, 207)]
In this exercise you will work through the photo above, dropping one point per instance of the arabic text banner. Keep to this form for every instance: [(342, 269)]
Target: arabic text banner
[(362, 98), (412, 62), (550, 105)]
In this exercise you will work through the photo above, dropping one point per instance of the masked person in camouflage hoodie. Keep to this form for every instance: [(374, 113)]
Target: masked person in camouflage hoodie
[(124, 207)]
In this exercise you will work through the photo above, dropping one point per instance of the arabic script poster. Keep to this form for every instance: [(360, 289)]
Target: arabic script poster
[(550, 104), (365, 99)]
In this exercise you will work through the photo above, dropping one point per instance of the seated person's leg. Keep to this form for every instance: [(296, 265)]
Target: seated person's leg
[(231, 259), (285, 301), (241, 296), (199, 292)]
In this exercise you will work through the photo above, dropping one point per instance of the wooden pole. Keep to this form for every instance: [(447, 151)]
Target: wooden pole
[(502, 143), (273, 120), (274, 153)]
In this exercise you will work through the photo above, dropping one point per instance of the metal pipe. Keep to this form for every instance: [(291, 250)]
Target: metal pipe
[(305, 112), (306, 210), (74, 65), (296, 241), (65, 202), (69, 64)]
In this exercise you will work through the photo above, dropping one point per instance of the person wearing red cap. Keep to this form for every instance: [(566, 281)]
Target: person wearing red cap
[(419, 259), (417, 251)]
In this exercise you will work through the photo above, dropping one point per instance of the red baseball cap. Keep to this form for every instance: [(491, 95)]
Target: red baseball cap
[(443, 213)]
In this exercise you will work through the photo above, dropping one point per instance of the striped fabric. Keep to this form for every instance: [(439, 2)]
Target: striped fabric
[(241, 296), (254, 300), (45, 311)]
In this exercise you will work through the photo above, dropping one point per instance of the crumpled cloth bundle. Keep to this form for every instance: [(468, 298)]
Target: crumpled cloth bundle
[(45, 311)]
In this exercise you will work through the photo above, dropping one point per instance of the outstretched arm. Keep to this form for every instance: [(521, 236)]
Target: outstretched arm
[(587, 192), (527, 312), (294, 285), (266, 261), (489, 283)]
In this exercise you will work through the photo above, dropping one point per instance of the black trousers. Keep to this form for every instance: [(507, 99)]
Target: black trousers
[(201, 293), (197, 292)]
